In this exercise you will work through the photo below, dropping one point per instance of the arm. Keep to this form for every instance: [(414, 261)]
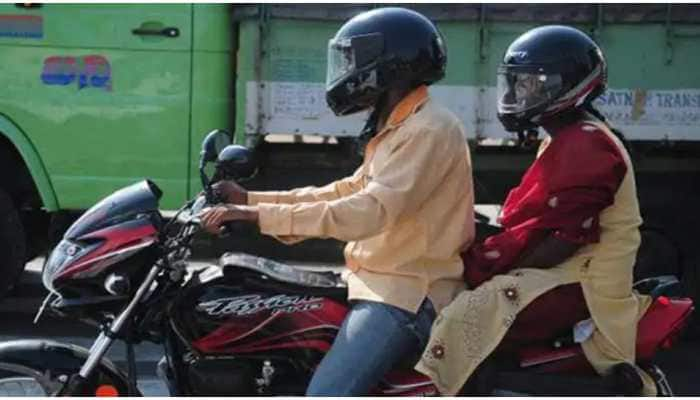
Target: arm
[(584, 188), (578, 177), (233, 193), (333, 191), (399, 187), (548, 253)]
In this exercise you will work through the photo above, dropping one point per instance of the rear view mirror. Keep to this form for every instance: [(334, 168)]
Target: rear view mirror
[(213, 144)]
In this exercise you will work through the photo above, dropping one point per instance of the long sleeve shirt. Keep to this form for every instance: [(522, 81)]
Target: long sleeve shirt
[(405, 212)]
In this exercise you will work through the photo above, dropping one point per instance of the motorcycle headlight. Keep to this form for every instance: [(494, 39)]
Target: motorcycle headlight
[(62, 257)]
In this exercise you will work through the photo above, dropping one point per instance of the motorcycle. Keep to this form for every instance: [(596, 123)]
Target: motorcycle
[(249, 325)]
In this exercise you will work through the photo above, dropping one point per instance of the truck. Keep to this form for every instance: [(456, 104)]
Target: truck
[(98, 96)]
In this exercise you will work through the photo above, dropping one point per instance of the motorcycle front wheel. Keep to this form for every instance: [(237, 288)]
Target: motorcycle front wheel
[(18, 380)]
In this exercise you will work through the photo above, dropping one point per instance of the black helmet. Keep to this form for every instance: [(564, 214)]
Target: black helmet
[(378, 50), (547, 72), (236, 162)]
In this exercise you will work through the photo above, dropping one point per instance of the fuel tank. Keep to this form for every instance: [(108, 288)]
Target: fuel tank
[(249, 305)]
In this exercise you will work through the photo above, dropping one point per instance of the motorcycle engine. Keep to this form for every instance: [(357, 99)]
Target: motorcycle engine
[(220, 377), (224, 376)]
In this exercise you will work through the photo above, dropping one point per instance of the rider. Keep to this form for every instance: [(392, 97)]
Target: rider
[(571, 228), (404, 213)]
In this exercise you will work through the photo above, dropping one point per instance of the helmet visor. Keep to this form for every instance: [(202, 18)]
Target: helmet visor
[(341, 60), (522, 90), (348, 54)]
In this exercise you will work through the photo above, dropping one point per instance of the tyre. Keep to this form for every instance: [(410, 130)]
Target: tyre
[(17, 380), (13, 245), (36, 228), (34, 365)]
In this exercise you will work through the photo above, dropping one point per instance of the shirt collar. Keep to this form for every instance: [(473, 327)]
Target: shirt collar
[(404, 109), (407, 106)]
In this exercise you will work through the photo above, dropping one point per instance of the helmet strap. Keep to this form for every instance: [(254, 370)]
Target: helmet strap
[(528, 138), (370, 128)]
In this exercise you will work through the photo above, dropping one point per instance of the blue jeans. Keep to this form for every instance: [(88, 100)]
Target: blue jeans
[(373, 338)]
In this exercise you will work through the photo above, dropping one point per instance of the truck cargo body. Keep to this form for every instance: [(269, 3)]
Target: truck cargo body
[(653, 97), (654, 92)]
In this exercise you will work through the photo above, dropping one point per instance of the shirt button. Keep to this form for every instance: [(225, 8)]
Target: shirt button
[(511, 294), (438, 351)]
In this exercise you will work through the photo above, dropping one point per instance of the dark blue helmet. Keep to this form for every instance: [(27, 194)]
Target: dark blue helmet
[(236, 162), (378, 50), (547, 72)]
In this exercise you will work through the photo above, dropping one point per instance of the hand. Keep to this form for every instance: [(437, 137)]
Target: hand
[(213, 218), (231, 192)]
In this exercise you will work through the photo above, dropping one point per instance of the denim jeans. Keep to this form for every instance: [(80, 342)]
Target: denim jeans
[(373, 338)]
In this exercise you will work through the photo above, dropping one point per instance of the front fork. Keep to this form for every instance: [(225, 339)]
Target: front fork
[(76, 383)]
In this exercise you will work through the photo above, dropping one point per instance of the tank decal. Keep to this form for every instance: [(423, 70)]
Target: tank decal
[(252, 304), (255, 323)]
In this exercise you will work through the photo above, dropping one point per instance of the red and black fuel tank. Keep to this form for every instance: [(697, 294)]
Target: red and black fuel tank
[(250, 305)]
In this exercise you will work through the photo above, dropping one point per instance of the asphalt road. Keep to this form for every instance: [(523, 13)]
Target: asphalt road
[(681, 364)]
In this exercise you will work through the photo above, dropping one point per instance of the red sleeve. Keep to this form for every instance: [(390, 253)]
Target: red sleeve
[(562, 194), (496, 254), (588, 170)]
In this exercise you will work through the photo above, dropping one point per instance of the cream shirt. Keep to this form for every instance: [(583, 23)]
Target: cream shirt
[(404, 213)]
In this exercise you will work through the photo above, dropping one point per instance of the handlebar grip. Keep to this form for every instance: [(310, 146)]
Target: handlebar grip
[(212, 196), (228, 228)]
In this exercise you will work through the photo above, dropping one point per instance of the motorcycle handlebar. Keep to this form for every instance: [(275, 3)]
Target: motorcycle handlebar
[(190, 216)]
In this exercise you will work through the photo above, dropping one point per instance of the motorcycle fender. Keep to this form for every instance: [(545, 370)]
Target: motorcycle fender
[(60, 359)]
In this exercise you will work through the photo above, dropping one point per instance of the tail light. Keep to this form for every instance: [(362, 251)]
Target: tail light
[(675, 332), (663, 300)]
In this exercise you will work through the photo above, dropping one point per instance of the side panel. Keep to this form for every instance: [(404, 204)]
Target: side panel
[(103, 106)]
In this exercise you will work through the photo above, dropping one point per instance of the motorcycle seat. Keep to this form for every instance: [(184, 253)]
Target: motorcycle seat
[(297, 275), (659, 326)]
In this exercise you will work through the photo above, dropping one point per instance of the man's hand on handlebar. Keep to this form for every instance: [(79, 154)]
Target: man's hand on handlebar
[(230, 192), (214, 218)]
